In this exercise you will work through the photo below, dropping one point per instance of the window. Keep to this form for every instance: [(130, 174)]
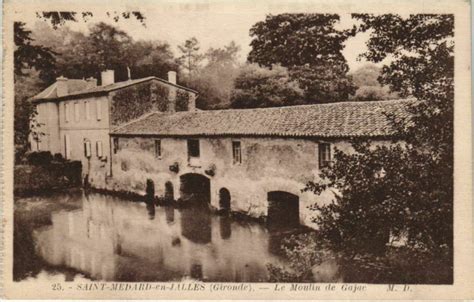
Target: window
[(157, 148), (115, 144), (67, 147), (87, 149), (76, 112), (98, 146), (99, 111), (193, 148), (87, 109), (66, 112), (236, 152), (324, 155)]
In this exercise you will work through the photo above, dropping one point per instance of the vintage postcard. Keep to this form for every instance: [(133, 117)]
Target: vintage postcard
[(237, 150)]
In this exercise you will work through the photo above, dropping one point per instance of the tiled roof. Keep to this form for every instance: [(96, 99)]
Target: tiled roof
[(343, 119), (84, 91), (73, 86)]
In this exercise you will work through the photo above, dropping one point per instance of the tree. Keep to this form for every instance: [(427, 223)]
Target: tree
[(415, 193), (215, 80), (151, 58), (310, 47), (190, 58), (28, 55), (403, 189), (369, 88), (59, 18), (263, 87)]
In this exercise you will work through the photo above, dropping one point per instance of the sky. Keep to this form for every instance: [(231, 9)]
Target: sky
[(213, 27)]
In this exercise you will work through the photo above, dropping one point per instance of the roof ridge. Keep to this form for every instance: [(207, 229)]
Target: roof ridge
[(301, 106)]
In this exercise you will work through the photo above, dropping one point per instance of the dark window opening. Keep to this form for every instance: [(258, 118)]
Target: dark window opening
[(236, 152), (324, 155), (169, 191), (193, 148), (115, 144), (157, 148)]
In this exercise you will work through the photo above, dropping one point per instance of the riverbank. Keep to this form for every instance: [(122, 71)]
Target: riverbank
[(31, 179)]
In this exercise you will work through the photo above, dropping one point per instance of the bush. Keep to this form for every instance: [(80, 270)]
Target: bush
[(40, 158), (58, 157)]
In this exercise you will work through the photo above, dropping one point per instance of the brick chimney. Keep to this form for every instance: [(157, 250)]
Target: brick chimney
[(91, 82), (107, 77), (172, 77), (61, 86)]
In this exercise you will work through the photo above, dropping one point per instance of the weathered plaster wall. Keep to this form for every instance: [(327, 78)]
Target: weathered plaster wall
[(48, 118), (97, 168), (92, 126), (268, 164)]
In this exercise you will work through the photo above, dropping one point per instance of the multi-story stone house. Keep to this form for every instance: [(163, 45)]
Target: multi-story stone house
[(76, 116)]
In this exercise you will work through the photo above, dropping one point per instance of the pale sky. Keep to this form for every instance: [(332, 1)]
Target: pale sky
[(212, 27)]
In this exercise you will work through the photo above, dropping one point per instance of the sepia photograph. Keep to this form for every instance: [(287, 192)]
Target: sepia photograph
[(178, 143)]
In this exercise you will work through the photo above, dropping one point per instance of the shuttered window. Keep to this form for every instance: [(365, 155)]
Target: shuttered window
[(157, 148), (87, 149), (77, 113), (67, 147), (236, 152), (99, 151), (99, 110), (324, 150), (66, 112), (87, 110)]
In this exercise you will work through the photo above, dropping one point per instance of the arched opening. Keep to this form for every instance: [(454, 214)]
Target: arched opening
[(195, 187), (224, 199), (283, 210), (169, 191)]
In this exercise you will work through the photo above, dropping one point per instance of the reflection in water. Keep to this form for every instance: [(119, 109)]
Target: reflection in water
[(196, 224), (169, 211), (151, 210), (196, 271), (112, 239), (225, 227)]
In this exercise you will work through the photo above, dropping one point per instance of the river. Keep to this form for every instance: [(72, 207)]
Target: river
[(100, 237)]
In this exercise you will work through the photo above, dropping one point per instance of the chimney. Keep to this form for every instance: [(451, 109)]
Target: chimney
[(91, 82), (61, 86), (107, 77), (172, 77)]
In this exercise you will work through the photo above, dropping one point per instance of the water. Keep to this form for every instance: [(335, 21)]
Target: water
[(100, 237)]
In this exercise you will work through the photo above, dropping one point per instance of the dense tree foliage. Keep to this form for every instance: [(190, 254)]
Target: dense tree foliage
[(400, 192), (215, 80), (310, 46), (28, 55), (369, 88), (263, 87), (405, 190), (60, 18)]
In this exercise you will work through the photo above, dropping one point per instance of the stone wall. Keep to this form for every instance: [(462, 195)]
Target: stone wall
[(132, 102), (268, 164)]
